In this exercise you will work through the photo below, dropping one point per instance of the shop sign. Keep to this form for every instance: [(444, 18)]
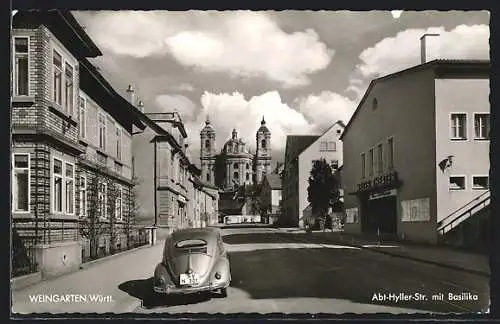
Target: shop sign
[(384, 194), (386, 180)]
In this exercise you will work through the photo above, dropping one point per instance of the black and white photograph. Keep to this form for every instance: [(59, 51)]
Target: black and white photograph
[(249, 162)]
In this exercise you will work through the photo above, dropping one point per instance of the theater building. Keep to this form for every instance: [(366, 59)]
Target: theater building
[(416, 159)]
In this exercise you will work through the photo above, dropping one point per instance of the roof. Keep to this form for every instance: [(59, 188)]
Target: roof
[(462, 66), (125, 107), (64, 26), (296, 144), (169, 117), (230, 205), (274, 181)]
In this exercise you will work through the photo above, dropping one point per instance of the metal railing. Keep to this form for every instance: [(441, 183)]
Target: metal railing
[(458, 215), (23, 255)]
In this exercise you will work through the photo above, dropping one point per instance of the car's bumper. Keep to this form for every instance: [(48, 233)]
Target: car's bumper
[(189, 290)]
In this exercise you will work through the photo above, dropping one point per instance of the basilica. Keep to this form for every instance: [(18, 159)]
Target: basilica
[(234, 166)]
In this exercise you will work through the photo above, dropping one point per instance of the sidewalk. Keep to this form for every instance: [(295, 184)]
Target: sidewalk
[(439, 255), (101, 280)]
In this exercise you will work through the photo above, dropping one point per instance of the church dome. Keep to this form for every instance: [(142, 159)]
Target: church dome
[(235, 145)]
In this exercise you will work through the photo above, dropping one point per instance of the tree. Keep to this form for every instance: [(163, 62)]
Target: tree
[(93, 225), (323, 191)]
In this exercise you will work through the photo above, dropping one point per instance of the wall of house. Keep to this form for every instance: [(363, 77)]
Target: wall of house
[(314, 152), (470, 156), (290, 186), (404, 111)]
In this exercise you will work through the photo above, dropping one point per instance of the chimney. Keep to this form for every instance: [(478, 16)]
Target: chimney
[(428, 52), (131, 94), (140, 106)]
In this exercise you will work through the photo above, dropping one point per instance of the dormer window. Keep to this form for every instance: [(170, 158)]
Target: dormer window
[(235, 166)]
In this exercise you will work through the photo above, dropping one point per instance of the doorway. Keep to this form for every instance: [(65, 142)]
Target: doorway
[(380, 214)]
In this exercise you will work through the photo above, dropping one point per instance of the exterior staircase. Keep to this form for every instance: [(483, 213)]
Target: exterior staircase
[(463, 213), (467, 226)]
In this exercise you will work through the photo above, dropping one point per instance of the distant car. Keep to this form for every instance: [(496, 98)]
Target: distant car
[(194, 260)]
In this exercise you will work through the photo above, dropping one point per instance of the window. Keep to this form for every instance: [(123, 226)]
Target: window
[(83, 122), (235, 166), (480, 182), (380, 158), (118, 168), (207, 144), (457, 183), (83, 195), (327, 146), (390, 153), (482, 126), (70, 188), (248, 166), (21, 182), (458, 126), (370, 162), (118, 203), (247, 176), (118, 142), (102, 131), (103, 199), (57, 77), (21, 68), (339, 131), (363, 165), (263, 143), (236, 175), (208, 176), (69, 89), (57, 185)]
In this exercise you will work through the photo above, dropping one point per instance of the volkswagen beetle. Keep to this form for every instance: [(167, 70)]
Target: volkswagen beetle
[(194, 260)]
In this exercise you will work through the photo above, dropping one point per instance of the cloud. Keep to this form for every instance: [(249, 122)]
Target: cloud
[(240, 43), (228, 111), (188, 87), (402, 51), (179, 103), (325, 108)]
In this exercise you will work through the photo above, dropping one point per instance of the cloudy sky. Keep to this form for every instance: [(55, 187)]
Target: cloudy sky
[(302, 70)]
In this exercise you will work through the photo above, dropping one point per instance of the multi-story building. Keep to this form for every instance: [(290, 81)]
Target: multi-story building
[(416, 160), (300, 154), (235, 165), (71, 142), (270, 198), (170, 193)]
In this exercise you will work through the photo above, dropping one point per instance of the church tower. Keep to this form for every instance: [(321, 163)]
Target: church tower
[(263, 153), (207, 153)]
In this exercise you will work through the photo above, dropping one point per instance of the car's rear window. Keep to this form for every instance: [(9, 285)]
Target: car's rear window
[(192, 243)]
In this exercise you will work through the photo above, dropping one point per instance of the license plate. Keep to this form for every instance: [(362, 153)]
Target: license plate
[(189, 279)]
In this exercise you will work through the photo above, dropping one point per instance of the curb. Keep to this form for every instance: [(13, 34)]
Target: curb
[(444, 265), (110, 257)]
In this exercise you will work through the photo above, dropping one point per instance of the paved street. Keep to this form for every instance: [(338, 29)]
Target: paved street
[(273, 271)]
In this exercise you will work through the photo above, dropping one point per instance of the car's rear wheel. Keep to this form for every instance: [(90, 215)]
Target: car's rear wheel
[(223, 292)]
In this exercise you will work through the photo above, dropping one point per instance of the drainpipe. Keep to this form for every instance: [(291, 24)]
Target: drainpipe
[(155, 186)]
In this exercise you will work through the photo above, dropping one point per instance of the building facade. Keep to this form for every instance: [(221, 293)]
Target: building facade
[(234, 165), (416, 151), (271, 198), (71, 143), (171, 194), (300, 153)]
